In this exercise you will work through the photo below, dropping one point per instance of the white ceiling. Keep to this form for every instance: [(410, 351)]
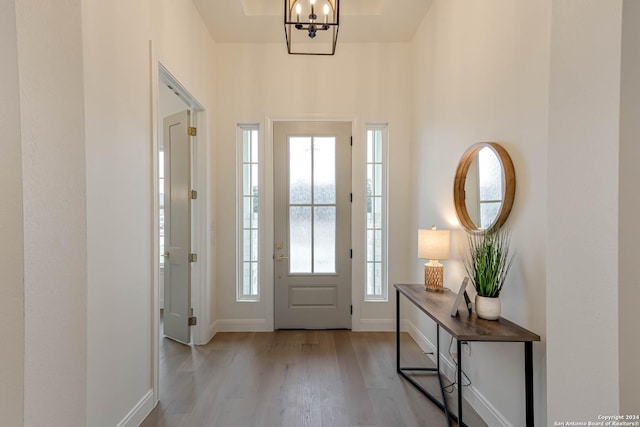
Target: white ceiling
[(363, 21)]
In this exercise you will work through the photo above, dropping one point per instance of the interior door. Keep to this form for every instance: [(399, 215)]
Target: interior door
[(177, 227), (312, 229)]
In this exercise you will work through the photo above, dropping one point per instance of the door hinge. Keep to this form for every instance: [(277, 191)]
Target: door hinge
[(193, 320), (193, 257), (352, 141), (351, 253), (193, 194), (351, 197), (352, 309), (191, 131)]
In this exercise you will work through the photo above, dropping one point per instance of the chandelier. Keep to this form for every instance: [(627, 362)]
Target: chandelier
[(311, 26)]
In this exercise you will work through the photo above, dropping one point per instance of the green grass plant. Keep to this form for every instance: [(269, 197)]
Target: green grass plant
[(488, 261)]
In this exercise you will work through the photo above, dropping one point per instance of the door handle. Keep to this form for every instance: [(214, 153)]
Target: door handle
[(280, 257), (165, 255)]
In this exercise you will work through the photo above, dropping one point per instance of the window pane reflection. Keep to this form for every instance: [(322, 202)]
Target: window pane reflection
[(324, 170), (324, 244), (490, 174), (300, 239), (299, 170)]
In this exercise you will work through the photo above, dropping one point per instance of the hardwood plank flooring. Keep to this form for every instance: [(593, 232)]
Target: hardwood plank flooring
[(294, 378)]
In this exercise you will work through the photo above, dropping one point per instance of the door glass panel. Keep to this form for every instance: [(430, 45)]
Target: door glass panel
[(312, 204), (324, 242), (300, 161), (300, 240), (324, 170)]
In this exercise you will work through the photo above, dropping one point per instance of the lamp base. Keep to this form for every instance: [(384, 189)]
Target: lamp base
[(434, 276)]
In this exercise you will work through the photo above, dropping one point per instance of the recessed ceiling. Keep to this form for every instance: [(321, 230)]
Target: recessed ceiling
[(361, 21)]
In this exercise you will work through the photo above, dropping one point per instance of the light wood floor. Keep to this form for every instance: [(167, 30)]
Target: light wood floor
[(293, 378)]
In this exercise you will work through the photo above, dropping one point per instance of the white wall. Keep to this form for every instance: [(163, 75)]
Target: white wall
[(54, 201), (12, 248), (257, 83), (482, 74), (629, 227), (117, 77), (117, 89), (582, 209)]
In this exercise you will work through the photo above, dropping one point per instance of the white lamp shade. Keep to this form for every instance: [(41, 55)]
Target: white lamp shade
[(433, 244)]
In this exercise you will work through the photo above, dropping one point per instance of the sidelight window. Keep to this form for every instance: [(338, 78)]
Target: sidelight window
[(248, 213), (376, 214)]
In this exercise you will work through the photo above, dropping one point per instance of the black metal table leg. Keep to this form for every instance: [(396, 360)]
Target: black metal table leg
[(528, 380), (444, 399), (397, 331), (459, 345)]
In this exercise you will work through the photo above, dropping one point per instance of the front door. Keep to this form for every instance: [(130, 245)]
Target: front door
[(177, 227), (312, 230)]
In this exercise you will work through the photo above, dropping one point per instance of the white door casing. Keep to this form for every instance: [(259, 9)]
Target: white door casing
[(177, 226), (312, 225)]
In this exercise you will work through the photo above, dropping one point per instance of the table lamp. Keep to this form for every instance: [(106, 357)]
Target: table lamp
[(433, 245)]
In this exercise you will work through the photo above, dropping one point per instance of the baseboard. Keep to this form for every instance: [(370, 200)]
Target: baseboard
[(377, 325), (478, 402), (239, 325), (212, 331), (139, 412)]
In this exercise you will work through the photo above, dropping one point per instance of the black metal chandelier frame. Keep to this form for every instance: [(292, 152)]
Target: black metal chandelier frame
[(310, 26)]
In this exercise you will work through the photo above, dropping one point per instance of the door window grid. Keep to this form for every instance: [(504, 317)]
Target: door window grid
[(312, 205), (376, 214), (249, 209)]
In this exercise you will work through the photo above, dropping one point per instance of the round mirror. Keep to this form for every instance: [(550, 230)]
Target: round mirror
[(484, 187)]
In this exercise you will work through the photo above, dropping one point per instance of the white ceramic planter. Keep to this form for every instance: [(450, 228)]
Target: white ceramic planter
[(487, 308)]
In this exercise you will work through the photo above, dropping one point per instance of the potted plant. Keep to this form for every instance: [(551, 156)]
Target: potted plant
[(487, 264)]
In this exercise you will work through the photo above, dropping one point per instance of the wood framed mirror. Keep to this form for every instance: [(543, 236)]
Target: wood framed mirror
[(484, 187)]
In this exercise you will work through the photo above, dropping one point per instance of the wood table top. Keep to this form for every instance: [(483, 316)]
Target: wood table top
[(465, 326)]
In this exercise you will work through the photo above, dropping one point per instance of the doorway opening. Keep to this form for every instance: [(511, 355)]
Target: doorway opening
[(174, 173), (180, 212)]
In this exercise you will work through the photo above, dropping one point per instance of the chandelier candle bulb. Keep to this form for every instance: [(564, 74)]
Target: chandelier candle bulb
[(298, 10)]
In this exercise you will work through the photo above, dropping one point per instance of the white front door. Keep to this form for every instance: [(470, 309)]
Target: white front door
[(177, 227), (312, 230)]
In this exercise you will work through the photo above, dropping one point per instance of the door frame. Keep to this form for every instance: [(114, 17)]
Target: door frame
[(200, 214), (357, 220)]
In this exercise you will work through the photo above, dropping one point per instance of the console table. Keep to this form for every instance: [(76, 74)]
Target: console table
[(463, 327)]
